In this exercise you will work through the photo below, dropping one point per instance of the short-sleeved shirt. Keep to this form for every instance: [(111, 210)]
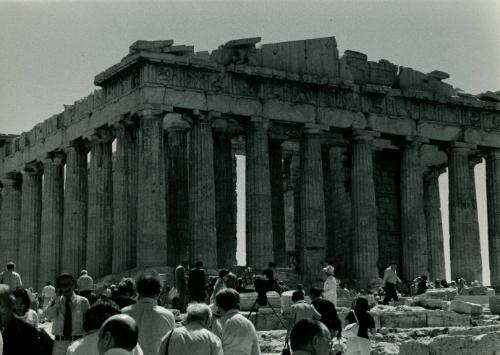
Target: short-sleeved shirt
[(302, 310), (329, 316), (365, 320), (191, 339)]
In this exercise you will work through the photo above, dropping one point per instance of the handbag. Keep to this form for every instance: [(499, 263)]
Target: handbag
[(286, 349), (351, 330)]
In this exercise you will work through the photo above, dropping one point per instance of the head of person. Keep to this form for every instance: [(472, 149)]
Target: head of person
[(11, 266), (83, 272), (444, 283), (7, 303), (297, 296), (361, 305), (148, 286), (271, 265), (199, 313), (184, 263), (23, 301), (315, 293), (118, 332), (126, 287), (423, 278), (48, 283), (199, 264), (310, 336), (97, 314), (65, 283), (393, 265), (227, 299), (223, 273), (329, 270)]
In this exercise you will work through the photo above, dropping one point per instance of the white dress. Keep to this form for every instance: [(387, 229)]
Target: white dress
[(330, 290)]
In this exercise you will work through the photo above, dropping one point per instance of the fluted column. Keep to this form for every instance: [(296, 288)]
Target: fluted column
[(100, 207), (433, 223), (493, 205), (203, 244), (152, 214), (225, 193), (364, 209), (475, 159), (74, 242), (465, 251), (259, 229), (52, 218), (413, 231), (312, 207), (177, 199), (10, 217), (31, 222), (124, 239), (277, 203)]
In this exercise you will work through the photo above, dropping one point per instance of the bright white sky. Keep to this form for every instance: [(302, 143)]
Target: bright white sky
[(51, 51)]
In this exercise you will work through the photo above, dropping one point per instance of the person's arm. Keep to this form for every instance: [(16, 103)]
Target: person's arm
[(316, 314), (386, 275), (19, 281), (255, 344)]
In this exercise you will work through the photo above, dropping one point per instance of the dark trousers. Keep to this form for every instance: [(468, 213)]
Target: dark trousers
[(390, 293)]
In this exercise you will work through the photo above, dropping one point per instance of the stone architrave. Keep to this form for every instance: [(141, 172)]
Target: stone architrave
[(31, 223), (202, 225), (151, 213), (465, 251), (277, 203), (259, 228), (364, 209), (100, 206), (124, 238), (74, 242), (312, 207), (49, 263), (493, 205), (225, 192), (413, 230), (433, 223), (177, 180), (10, 217)]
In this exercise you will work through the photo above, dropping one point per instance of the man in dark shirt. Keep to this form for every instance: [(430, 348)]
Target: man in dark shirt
[(18, 337), (328, 312), (196, 283)]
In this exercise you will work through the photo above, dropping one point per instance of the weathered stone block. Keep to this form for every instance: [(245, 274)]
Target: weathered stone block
[(414, 347), (474, 299), (445, 294), (466, 307), (447, 319), (495, 304), (416, 319)]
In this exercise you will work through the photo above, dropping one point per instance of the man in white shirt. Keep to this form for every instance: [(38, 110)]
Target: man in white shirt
[(193, 338), (236, 332), (11, 278), (390, 280), (118, 336), (152, 320)]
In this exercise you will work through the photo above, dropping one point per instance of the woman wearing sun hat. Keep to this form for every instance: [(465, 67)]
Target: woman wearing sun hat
[(330, 285)]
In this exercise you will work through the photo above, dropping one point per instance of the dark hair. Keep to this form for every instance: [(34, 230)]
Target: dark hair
[(96, 315), (125, 334), (223, 272), (11, 266), (65, 276), (23, 295), (199, 264), (423, 277), (126, 286), (315, 292), (227, 299), (271, 264), (361, 305), (48, 283), (303, 332), (297, 296), (148, 286)]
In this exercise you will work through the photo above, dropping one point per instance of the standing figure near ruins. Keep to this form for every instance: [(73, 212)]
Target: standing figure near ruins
[(85, 285), (220, 284), (330, 285), (390, 281), (181, 283), (196, 283), (360, 344), (11, 278)]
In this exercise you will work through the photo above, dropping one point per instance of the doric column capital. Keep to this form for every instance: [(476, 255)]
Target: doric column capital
[(462, 148), (259, 122), (80, 145), (415, 141), (434, 171), (102, 136), (9, 179), (175, 122), (150, 114), (33, 168), (314, 129), (364, 136), (54, 158)]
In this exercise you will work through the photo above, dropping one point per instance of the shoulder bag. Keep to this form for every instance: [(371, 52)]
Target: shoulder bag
[(351, 330)]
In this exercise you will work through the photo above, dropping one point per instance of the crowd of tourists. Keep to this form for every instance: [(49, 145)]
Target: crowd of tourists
[(143, 316)]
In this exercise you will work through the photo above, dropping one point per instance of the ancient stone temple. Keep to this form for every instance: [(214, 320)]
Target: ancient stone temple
[(342, 162)]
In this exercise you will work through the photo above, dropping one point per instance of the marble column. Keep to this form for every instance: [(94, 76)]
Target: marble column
[(277, 203), (433, 223), (124, 238), (178, 198), (475, 159), (202, 225), (52, 218), (465, 251), (100, 206), (152, 214), (31, 223), (312, 207), (10, 218), (413, 230), (493, 205), (225, 196), (259, 228), (364, 209), (74, 242)]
